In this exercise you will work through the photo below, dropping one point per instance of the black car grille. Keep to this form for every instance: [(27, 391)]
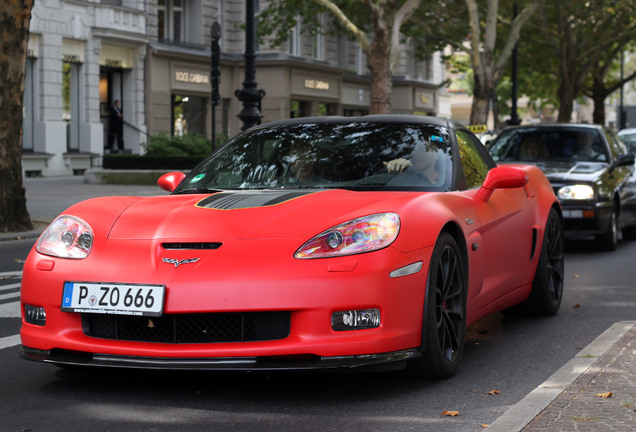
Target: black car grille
[(190, 328)]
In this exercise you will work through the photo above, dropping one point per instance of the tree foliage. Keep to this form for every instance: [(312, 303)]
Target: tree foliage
[(376, 25), (569, 42), (15, 16)]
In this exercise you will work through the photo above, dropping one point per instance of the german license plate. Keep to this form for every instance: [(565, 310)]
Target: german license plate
[(117, 299)]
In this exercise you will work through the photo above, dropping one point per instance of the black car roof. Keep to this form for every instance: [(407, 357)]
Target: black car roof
[(374, 118), (556, 126)]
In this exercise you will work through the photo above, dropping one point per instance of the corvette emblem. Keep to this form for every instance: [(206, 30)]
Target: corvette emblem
[(177, 263)]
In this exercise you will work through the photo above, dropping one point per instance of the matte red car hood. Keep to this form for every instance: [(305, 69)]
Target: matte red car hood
[(247, 214)]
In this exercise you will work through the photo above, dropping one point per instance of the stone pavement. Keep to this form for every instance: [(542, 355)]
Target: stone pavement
[(570, 400), (602, 399)]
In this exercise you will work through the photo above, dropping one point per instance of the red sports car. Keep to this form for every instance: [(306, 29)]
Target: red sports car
[(309, 243)]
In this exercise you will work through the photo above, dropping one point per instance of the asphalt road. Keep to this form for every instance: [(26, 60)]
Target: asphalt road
[(510, 354)]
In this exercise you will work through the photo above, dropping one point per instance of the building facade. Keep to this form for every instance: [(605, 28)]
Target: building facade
[(154, 57)]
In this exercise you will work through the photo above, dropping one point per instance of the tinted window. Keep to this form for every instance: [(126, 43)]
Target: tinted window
[(616, 145), (549, 143), (330, 155), (474, 165)]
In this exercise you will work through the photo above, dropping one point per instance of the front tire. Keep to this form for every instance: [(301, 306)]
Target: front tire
[(547, 287), (444, 321), (608, 241)]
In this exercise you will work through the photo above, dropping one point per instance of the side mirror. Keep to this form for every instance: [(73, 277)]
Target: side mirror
[(502, 177), (625, 160), (170, 181)]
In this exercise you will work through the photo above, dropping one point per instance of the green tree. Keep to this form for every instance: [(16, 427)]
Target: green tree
[(570, 39), (380, 25), (15, 16), (375, 25), (604, 79)]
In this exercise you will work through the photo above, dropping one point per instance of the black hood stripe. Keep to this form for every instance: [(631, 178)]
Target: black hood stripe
[(248, 199)]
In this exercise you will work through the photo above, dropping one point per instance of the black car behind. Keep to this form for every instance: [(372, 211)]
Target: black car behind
[(591, 171)]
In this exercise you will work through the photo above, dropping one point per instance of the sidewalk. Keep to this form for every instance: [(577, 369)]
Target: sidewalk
[(567, 401), (49, 197), (576, 398)]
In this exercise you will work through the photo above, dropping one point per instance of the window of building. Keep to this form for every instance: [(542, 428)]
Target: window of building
[(325, 109), (319, 40), (298, 109), (188, 115), (294, 39), (170, 20), (70, 104), (28, 102), (361, 64)]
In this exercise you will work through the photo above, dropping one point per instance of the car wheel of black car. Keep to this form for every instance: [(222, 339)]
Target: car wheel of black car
[(629, 233), (608, 241), (547, 287), (445, 315)]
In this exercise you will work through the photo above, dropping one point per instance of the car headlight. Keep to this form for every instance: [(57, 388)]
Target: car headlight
[(364, 234), (576, 192), (66, 237)]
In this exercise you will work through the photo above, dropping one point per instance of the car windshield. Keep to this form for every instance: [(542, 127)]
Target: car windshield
[(345, 155), (549, 144), (629, 138)]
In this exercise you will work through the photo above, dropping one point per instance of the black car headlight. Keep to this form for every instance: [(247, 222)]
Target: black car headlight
[(576, 192)]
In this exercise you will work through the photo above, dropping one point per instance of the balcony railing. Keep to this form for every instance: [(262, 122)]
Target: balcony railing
[(120, 19)]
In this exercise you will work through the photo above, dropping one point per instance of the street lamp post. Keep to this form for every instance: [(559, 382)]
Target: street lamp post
[(251, 97), (514, 116), (215, 75)]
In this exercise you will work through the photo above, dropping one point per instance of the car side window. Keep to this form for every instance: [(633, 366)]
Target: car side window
[(473, 162), (616, 145)]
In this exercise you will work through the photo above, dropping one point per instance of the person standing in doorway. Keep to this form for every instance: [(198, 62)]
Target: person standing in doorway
[(116, 128)]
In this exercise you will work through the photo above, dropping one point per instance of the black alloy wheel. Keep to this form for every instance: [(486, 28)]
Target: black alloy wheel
[(547, 287), (445, 314)]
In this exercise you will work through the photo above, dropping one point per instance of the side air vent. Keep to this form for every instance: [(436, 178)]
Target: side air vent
[(190, 246)]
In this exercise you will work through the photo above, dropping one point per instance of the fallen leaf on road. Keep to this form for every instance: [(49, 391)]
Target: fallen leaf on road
[(484, 425), (604, 395), (576, 306), (494, 392), (451, 413), (575, 276)]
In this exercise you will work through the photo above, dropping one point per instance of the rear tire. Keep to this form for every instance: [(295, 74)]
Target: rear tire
[(444, 321), (547, 287)]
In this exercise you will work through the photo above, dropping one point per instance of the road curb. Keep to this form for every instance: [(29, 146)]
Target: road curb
[(522, 413)]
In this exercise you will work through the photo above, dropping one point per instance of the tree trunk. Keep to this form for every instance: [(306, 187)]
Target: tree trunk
[(379, 65), (566, 102), (15, 16), (599, 94), (483, 91)]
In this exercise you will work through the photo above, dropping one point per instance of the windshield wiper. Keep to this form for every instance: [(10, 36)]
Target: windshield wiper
[(199, 190)]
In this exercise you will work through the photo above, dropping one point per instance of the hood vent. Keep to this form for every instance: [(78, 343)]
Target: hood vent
[(248, 199), (191, 246)]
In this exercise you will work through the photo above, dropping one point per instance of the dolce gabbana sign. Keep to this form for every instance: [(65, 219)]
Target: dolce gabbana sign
[(316, 84), (191, 77)]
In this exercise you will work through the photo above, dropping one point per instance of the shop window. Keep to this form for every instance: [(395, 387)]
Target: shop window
[(325, 109), (170, 20), (298, 109), (188, 115), (355, 112)]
